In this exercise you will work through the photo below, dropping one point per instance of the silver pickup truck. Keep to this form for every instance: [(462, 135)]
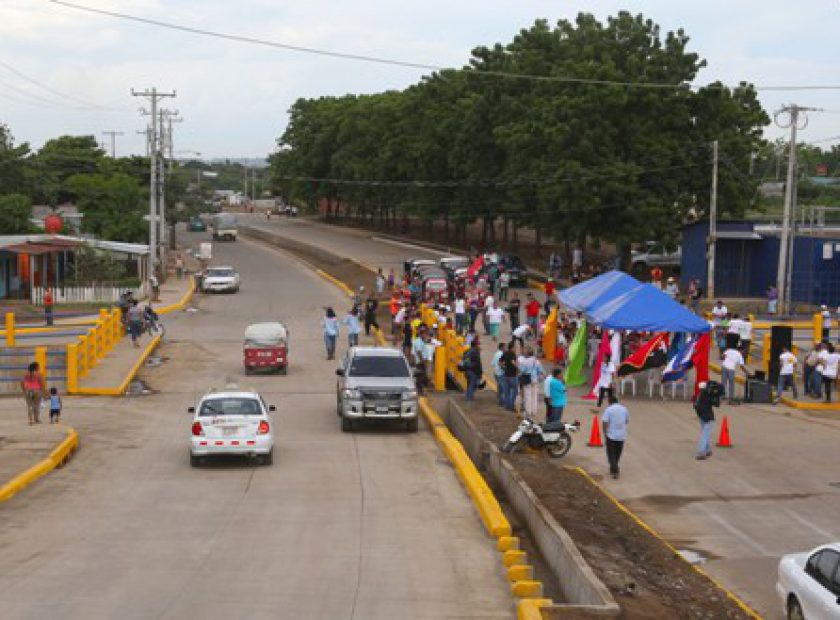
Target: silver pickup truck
[(376, 384)]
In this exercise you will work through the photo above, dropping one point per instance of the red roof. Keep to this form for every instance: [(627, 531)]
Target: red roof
[(37, 249)]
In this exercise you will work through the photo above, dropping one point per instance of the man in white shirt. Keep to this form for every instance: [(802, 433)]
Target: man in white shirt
[(521, 334), (732, 360), (719, 312), (494, 321), (826, 317), (830, 360), (615, 420), (605, 379), (745, 329), (787, 363), (488, 303), (460, 315), (735, 327)]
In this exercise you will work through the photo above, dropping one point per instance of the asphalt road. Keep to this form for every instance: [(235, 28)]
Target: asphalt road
[(367, 525), (776, 491)]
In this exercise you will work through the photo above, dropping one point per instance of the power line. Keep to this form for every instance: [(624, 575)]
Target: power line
[(408, 64)]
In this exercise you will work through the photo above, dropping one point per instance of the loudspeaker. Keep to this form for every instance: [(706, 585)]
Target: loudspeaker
[(780, 337), (757, 392)]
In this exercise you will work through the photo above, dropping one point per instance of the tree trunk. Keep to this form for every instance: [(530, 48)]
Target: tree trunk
[(515, 236), (484, 232), (505, 231), (538, 239), (446, 227)]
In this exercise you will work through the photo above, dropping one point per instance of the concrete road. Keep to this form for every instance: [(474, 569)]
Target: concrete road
[(366, 525), (777, 491)]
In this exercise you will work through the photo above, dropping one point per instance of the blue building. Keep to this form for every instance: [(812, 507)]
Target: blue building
[(747, 260)]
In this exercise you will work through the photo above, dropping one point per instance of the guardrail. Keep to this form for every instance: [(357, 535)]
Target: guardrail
[(85, 354)]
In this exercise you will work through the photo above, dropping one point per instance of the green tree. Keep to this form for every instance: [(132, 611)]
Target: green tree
[(60, 159), (12, 163), (15, 211), (113, 206)]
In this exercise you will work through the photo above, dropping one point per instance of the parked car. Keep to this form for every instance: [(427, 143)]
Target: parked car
[(196, 224), (809, 584), (376, 383), (655, 254), (232, 423), (220, 280)]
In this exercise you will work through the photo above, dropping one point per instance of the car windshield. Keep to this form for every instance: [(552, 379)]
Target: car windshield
[(230, 406), (364, 366), (220, 273)]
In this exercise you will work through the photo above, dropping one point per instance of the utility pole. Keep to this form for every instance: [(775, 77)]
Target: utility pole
[(165, 123), (710, 275), (113, 135), (147, 134), (153, 95), (246, 184), (783, 275)]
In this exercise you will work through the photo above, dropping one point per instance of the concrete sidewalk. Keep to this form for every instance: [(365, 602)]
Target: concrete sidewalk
[(113, 370), (22, 445)]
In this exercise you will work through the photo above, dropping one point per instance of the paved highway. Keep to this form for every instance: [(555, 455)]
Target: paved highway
[(368, 525), (777, 491)]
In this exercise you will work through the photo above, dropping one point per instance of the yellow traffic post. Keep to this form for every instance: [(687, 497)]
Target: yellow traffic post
[(10, 329), (765, 354), (72, 367), (550, 335), (41, 360), (90, 349), (116, 317), (82, 366), (818, 327), (105, 317), (440, 368)]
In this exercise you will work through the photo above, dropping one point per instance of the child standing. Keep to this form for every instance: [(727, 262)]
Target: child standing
[(55, 406)]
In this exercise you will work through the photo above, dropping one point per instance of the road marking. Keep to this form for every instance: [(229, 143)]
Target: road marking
[(739, 534), (411, 246), (812, 526)]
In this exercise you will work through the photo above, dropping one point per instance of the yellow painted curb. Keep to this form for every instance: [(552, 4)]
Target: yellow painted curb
[(379, 337), (347, 290), (182, 303), (728, 593), (488, 506), (529, 608), (122, 387), (57, 458)]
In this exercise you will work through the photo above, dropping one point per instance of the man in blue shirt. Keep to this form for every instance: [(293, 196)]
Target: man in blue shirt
[(615, 420), (556, 395)]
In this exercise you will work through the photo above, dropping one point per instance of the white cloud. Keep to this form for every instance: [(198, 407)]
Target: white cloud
[(234, 96)]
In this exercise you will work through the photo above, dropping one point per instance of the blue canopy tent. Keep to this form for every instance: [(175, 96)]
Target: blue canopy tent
[(592, 293), (646, 308)]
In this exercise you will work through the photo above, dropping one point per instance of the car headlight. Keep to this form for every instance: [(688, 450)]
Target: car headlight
[(409, 395), (351, 394)]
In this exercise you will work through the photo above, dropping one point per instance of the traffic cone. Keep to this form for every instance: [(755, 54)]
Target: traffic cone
[(595, 435), (724, 441)]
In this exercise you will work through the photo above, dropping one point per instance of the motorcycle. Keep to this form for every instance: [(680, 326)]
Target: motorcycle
[(555, 437)]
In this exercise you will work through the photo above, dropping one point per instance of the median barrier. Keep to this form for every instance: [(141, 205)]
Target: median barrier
[(121, 389), (182, 303), (57, 458)]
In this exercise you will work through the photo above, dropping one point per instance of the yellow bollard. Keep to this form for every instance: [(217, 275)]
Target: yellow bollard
[(41, 360), (550, 335), (765, 353), (440, 368), (99, 330), (82, 358), (72, 368), (90, 349), (10, 329), (105, 317), (116, 325), (818, 325)]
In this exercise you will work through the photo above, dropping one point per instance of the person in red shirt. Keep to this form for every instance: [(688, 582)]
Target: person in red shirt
[(532, 312), (48, 307), (549, 287)]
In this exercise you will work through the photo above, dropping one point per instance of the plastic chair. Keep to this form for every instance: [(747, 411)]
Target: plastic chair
[(675, 385), (631, 379), (654, 379)]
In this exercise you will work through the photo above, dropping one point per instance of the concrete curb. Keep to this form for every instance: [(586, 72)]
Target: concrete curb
[(346, 289), (122, 387), (180, 305), (57, 458), (572, 574)]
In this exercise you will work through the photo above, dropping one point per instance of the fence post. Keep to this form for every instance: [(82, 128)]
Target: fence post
[(98, 339), (41, 359), (10, 329), (90, 348), (104, 316), (440, 368), (72, 368), (116, 325), (81, 352), (818, 325)]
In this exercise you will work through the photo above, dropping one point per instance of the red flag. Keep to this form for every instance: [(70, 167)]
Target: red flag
[(603, 349), (473, 269), (652, 354), (700, 359)]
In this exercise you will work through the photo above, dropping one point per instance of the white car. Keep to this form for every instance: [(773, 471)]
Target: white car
[(220, 279), (809, 584), (231, 423)]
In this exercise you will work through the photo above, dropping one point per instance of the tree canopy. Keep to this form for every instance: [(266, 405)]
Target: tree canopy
[(574, 158)]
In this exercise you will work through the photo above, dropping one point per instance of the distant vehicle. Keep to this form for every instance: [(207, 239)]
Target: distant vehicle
[(452, 263), (232, 423), (411, 266), (809, 584), (224, 226), (220, 280), (196, 224), (266, 347), (654, 254), (376, 383)]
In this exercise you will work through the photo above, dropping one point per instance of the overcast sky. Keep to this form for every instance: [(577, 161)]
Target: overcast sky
[(233, 97)]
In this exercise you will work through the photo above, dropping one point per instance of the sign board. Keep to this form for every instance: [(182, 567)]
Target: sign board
[(828, 251), (205, 251)]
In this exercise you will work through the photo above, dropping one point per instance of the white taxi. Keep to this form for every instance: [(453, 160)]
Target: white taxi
[(234, 423), (809, 584)]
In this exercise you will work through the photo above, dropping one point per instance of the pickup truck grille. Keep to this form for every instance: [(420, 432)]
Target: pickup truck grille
[(381, 395)]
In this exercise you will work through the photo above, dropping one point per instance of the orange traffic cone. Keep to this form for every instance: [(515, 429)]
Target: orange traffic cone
[(595, 435), (724, 441)]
